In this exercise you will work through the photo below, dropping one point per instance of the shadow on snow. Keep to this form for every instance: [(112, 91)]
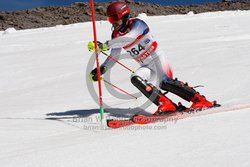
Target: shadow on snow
[(116, 112)]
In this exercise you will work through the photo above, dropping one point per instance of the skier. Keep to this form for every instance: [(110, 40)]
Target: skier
[(133, 35)]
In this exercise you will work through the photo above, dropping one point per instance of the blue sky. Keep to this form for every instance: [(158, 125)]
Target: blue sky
[(12, 5)]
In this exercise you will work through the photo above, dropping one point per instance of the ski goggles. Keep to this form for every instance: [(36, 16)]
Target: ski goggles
[(113, 19)]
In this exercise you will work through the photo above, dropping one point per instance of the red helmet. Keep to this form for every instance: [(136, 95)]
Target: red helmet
[(116, 11)]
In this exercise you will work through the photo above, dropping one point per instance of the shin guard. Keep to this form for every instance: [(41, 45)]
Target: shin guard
[(179, 88), (147, 89)]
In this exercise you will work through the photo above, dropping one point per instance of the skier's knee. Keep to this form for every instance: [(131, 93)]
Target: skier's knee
[(149, 90), (135, 80)]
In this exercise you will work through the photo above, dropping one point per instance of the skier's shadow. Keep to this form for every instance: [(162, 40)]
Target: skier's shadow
[(117, 112)]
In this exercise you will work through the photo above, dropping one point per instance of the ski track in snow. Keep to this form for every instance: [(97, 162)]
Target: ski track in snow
[(48, 118)]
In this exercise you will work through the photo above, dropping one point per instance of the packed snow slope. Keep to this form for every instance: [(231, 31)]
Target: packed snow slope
[(48, 117)]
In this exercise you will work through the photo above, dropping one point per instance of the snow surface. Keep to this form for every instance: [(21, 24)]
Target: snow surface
[(48, 117)]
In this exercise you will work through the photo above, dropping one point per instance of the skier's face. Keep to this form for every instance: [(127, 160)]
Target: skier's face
[(115, 21), (117, 25)]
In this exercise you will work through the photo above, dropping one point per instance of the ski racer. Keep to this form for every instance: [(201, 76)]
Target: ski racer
[(133, 35)]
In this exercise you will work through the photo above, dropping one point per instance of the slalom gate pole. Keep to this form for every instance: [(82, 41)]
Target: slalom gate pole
[(110, 57), (97, 59), (119, 88)]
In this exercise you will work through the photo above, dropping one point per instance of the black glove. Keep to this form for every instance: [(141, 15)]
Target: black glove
[(93, 74)]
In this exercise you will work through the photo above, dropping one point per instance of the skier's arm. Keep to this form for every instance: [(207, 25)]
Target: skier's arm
[(109, 63), (115, 53), (119, 42)]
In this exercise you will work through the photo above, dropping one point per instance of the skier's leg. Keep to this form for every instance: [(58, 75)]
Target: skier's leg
[(139, 80), (186, 92), (177, 87)]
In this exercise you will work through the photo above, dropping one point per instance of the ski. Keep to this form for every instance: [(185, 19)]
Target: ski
[(143, 119), (112, 123), (140, 119), (146, 119)]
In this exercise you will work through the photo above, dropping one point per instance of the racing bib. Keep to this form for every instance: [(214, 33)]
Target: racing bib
[(141, 48)]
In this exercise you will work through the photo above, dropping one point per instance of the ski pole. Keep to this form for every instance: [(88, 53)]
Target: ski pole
[(118, 88), (110, 57), (97, 59)]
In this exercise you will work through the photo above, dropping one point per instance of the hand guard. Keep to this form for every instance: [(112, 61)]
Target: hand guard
[(93, 74), (101, 46)]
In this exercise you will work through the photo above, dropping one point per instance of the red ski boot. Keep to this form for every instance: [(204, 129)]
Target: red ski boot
[(165, 105), (200, 102)]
